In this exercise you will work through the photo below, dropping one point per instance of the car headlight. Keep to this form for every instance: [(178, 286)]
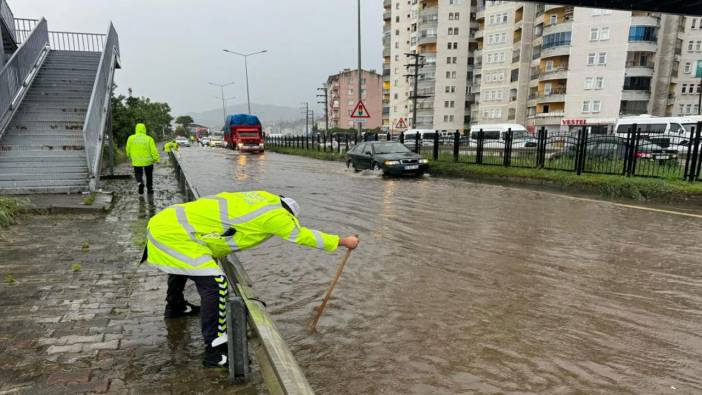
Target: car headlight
[(391, 162), (240, 144), (261, 145), (424, 161)]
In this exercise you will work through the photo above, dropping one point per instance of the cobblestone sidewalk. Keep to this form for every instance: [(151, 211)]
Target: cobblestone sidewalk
[(78, 316)]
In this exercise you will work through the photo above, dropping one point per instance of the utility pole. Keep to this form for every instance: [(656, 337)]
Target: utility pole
[(417, 64), (360, 125), (306, 109), (221, 87), (325, 89), (246, 70)]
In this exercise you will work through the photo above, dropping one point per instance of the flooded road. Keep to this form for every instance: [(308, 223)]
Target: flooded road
[(460, 287)]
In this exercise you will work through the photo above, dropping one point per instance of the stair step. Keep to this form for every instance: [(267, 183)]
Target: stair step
[(43, 141), (43, 189), (42, 107), (49, 116), (45, 125), (40, 157), (21, 148), (47, 184), (48, 166), (29, 176), (61, 89)]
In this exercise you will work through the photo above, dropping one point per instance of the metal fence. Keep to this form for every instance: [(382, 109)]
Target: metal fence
[(8, 18), (99, 107), (643, 153), (15, 75), (71, 41), (23, 28)]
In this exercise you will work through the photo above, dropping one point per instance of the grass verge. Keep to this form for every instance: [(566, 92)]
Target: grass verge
[(637, 188), (8, 210)]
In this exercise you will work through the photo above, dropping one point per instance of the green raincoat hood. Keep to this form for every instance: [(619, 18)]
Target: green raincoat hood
[(140, 128)]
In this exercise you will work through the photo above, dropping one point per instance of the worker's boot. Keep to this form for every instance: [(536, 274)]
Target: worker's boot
[(186, 310), (215, 357), (141, 189)]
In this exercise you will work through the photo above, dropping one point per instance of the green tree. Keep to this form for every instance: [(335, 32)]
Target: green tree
[(184, 120), (128, 111)]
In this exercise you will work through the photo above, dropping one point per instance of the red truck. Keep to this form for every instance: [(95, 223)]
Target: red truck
[(243, 132)]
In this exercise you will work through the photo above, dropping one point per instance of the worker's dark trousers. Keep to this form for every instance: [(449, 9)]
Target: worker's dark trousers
[(149, 170), (213, 292)]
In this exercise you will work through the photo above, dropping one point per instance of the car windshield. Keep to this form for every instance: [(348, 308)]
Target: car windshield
[(389, 148)]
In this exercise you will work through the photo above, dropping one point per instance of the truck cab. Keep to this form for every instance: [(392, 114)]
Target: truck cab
[(243, 132)]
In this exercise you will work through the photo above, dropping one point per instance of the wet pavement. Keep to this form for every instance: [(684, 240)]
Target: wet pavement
[(81, 317), (461, 287)]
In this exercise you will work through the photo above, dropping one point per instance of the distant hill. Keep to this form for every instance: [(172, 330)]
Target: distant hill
[(268, 114)]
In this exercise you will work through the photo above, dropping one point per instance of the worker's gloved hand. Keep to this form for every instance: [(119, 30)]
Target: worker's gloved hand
[(350, 242)]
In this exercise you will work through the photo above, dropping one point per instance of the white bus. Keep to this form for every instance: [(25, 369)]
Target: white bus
[(494, 135), (667, 132), (426, 137)]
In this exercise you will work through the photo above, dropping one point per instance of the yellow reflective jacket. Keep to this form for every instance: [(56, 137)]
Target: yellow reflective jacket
[(186, 238), (170, 146), (141, 148)]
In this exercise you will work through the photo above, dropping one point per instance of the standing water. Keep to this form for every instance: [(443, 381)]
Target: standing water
[(460, 287)]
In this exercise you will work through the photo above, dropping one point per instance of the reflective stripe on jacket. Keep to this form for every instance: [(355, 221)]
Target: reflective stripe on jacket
[(141, 148), (186, 238)]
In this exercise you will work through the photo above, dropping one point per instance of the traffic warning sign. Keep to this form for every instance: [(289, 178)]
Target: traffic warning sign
[(360, 111), (401, 124)]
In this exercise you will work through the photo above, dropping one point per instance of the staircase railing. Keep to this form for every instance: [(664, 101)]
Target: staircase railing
[(19, 71), (98, 109), (8, 18), (23, 28)]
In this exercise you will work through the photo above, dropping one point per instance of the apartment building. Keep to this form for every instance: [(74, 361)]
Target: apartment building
[(539, 64), (343, 97), (441, 31)]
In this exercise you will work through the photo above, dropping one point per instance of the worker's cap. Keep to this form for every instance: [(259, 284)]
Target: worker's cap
[(291, 205)]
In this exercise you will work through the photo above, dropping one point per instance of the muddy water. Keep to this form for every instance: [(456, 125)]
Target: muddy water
[(463, 288)]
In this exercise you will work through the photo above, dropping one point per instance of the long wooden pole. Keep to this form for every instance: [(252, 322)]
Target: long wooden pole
[(320, 309)]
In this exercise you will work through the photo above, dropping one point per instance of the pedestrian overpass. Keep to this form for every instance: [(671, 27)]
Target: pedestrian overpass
[(55, 90)]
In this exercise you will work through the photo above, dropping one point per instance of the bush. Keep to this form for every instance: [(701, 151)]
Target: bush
[(8, 210)]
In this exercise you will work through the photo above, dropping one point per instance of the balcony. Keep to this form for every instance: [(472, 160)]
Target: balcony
[(387, 3), (478, 34), (555, 96), (645, 20), (549, 7), (560, 73), (557, 50), (547, 118), (642, 46), (558, 28), (386, 52), (430, 13), (635, 69), (518, 25), (480, 14), (516, 54), (387, 15), (636, 95), (429, 38)]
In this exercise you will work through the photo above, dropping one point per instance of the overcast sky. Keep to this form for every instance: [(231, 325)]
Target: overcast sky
[(171, 49)]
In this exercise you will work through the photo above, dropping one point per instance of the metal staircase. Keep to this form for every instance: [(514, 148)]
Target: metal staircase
[(54, 105)]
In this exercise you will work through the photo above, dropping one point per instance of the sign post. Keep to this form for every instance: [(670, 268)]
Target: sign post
[(698, 74)]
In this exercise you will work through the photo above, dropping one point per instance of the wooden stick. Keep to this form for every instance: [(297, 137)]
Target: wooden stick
[(320, 309)]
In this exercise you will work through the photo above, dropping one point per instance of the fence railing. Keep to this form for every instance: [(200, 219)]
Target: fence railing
[(71, 41), (8, 18), (638, 152), (99, 107), (23, 28), (18, 71)]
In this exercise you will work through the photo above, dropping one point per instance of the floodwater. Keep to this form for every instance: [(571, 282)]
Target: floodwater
[(460, 287)]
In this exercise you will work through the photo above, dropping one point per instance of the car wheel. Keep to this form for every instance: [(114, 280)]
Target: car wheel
[(375, 166)]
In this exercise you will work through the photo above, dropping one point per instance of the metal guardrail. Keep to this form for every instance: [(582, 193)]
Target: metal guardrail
[(280, 371), (8, 18), (19, 71), (85, 42), (99, 107), (23, 28)]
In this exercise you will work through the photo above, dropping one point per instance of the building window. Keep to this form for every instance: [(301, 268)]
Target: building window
[(451, 104), (602, 59), (445, 118), (554, 19), (690, 44), (589, 83), (694, 22), (586, 106), (595, 106), (604, 34), (446, 104), (594, 34), (698, 46), (591, 58), (643, 33), (455, 16), (688, 108), (450, 16), (688, 68), (556, 39), (599, 83), (684, 89), (682, 109), (450, 31), (696, 109)]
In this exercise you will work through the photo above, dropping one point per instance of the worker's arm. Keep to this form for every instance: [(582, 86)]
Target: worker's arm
[(285, 226), (154, 151), (127, 147)]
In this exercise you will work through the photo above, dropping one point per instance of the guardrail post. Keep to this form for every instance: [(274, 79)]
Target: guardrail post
[(507, 159), (479, 148), (456, 145), (435, 154), (630, 152), (338, 143), (416, 143), (694, 154), (541, 148), (581, 151), (237, 346), (389, 137), (402, 137), (347, 143)]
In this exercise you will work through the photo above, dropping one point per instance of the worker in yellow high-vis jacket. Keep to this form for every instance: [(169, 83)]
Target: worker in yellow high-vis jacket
[(184, 240), (141, 150)]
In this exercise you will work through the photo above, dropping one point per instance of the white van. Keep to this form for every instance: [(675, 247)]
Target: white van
[(667, 132), (494, 135), (426, 137)]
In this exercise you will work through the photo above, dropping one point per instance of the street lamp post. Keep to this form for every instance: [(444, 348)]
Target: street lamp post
[(246, 70), (221, 87)]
